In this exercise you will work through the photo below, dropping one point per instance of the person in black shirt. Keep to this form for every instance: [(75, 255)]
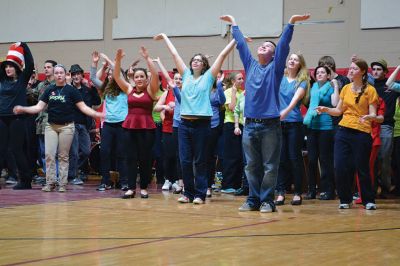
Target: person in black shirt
[(60, 100), (379, 72), (13, 83), (80, 148)]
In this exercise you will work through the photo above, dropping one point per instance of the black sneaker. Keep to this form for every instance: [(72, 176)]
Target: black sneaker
[(21, 185)]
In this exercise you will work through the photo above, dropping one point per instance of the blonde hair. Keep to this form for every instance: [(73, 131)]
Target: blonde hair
[(302, 75)]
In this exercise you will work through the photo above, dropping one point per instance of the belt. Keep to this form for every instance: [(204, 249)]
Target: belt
[(265, 121)]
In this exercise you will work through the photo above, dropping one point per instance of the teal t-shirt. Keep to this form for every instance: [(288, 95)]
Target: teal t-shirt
[(195, 94)]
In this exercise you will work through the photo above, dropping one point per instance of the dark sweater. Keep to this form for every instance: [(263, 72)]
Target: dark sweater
[(12, 92)]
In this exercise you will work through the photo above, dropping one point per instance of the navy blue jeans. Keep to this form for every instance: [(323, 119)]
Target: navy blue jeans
[(291, 162), (262, 148), (353, 146), (193, 136), (79, 151)]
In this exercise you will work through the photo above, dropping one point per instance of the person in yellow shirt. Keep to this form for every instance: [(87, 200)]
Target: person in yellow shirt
[(353, 140), (233, 154)]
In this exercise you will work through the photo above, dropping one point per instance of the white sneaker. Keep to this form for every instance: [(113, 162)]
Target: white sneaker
[(370, 206), (167, 185), (176, 188), (344, 206), (198, 201)]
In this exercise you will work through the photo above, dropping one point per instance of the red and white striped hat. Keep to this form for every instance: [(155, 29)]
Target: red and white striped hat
[(15, 55)]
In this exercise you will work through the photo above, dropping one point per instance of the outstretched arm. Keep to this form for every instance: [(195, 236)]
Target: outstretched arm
[(122, 83), (153, 87), (296, 18), (180, 65), (337, 111), (40, 106), (216, 67), (88, 111)]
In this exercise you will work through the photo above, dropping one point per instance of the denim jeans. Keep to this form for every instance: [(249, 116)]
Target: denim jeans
[(192, 149), (353, 146), (291, 161), (385, 155), (262, 148), (80, 150)]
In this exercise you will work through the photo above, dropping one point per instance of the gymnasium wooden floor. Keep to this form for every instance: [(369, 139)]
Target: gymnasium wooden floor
[(86, 227)]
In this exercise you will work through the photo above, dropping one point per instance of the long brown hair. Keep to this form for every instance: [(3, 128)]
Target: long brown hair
[(110, 87), (363, 65)]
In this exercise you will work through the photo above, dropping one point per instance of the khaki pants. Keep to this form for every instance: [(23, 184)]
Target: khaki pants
[(58, 138)]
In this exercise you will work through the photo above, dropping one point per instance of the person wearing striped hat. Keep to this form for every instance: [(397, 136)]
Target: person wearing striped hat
[(15, 73)]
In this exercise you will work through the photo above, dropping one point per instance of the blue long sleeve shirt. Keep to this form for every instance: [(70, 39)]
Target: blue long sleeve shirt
[(263, 81), (217, 98)]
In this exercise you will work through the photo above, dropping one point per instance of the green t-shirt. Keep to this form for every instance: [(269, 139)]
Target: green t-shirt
[(156, 115), (229, 117)]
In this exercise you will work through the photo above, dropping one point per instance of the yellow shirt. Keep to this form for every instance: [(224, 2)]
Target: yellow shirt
[(229, 117), (352, 112)]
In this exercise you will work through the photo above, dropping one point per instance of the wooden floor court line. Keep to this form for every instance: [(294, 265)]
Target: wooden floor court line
[(202, 237), (140, 243), (168, 212)]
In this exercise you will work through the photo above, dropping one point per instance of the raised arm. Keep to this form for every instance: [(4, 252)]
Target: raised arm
[(216, 67), (243, 48), (153, 87), (93, 68), (391, 80), (335, 94), (180, 65), (108, 60), (164, 72), (122, 83)]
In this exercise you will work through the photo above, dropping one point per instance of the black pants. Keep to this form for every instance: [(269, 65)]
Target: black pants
[(233, 158), (169, 160), (212, 143), (320, 146), (139, 143), (13, 137), (113, 141), (353, 146)]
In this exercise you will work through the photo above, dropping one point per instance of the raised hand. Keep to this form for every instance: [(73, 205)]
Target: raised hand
[(228, 18), (159, 36), (95, 57), (221, 78), (119, 55), (144, 52), (296, 18)]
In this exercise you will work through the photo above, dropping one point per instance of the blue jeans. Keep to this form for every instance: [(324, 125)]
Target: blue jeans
[(192, 149), (80, 150), (385, 155), (262, 148)]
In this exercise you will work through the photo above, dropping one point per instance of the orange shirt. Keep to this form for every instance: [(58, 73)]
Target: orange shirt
[(352, 112)]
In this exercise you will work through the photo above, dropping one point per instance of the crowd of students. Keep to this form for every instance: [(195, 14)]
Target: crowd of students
[(256, 120)]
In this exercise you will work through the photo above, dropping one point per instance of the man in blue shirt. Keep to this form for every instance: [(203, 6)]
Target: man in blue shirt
[(262, 132)]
